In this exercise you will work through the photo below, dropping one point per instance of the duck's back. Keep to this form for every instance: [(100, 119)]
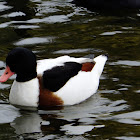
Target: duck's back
[(80, 79)]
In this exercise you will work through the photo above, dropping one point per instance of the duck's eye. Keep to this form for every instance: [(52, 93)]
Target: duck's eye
[(6, 73)]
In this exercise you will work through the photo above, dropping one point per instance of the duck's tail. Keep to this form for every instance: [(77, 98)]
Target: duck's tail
[(100, 62)]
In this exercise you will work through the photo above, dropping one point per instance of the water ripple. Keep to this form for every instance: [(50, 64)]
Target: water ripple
[(34, 40), (129, 118), (76, 130), (14, 14), (50, 19), (111, 33), (3, 7), (126, 63)]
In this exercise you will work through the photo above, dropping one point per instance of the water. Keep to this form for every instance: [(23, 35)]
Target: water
[(53, 28)]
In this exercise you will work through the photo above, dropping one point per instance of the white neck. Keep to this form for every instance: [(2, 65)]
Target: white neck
[(25, 93)]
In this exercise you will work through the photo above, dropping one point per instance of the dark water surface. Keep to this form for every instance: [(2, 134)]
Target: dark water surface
[(53, 28)]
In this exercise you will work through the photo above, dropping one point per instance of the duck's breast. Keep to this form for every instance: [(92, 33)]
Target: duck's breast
[(25, 93)]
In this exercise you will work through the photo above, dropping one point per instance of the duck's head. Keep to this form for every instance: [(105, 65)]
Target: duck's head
[(22, 62)]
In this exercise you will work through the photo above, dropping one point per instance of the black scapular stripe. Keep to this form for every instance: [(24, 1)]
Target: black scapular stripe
[(57, 77)]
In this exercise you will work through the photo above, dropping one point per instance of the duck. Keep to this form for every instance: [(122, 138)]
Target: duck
[(60, 81)]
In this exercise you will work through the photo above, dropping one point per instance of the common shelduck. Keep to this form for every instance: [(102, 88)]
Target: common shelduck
[(51, 82)]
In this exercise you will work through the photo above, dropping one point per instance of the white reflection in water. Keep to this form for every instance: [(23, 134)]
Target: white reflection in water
[(76, 130), (14, 14), (126, 63), (128, 118), (53, 6), (137, 91), (27, 26), (8, 113), (48, 137), (34, 40), (127, 28), (2, 64), (4, 86), (111, 33), (3, 7), (28, 123), (69, 51), (50, 19), (47, 7), (6, 24)]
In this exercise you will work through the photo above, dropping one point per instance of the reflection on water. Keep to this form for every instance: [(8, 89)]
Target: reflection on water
[(53, 28), (75, 120), (8, 113), (34, 40), (28, 123), (126, 63)]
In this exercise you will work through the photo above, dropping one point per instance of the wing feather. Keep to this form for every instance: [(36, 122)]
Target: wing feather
[(57, 77)]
